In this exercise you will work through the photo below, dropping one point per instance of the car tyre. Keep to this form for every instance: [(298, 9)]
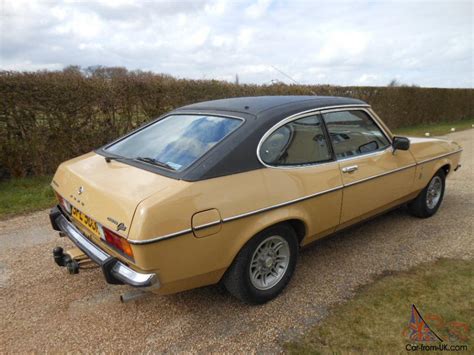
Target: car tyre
[(429, 199), (264, 266)]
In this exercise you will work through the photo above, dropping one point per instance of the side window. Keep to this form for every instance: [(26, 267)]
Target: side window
[(354, 133), (296, 143)]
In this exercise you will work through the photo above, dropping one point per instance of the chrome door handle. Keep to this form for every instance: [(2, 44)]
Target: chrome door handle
[(350, 169)]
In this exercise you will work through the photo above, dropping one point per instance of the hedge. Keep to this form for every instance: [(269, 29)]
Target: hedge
[(47, 117)]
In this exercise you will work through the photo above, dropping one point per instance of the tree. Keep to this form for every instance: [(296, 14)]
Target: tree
[(73, 69), (394, 83)]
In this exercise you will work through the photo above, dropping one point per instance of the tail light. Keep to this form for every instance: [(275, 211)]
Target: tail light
[(66, 205), (118, 242)]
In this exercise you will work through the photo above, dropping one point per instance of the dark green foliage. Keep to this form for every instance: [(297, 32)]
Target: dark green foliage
[(48, 117)]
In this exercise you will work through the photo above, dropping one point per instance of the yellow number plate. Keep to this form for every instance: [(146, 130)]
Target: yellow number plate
[(86, 221)]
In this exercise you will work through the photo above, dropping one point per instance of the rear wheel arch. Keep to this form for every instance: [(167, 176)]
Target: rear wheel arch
[(238, 277), (296, 224)]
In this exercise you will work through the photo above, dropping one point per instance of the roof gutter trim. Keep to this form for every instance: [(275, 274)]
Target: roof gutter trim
[(211, 111)]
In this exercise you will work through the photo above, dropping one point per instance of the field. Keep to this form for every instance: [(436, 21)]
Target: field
[(22, 195), (376, 319), (437, 129)]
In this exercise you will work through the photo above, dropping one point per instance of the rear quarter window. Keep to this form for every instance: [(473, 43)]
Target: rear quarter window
[(299, 142)]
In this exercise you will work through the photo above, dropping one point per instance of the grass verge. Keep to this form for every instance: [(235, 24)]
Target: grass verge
[(376, 319), (21, 195), (435, 129)]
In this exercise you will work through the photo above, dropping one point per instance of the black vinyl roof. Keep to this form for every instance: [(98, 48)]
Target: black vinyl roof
[(256, 105), (237, 153)]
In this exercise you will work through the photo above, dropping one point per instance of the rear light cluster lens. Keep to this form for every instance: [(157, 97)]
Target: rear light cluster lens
[(66, 205), (118, 242)]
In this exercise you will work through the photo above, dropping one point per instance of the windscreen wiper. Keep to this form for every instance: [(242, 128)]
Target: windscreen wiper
[(155, 162), (109, 159)]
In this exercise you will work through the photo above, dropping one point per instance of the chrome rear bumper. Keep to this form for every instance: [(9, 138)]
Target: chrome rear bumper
[(115, 272)]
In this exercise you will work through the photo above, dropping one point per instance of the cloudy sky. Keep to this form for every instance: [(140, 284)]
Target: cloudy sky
[(423, 42)]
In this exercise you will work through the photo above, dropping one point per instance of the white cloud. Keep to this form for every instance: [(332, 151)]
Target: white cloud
[(255, 69), (245, 36), (257, 9), (347, 45), (80, 24), (366, 79), (200, 36), (429, 43), (216, 8), (28, 66), (222, 41)]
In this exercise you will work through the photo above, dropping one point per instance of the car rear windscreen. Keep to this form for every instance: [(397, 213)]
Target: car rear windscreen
[(175, 141)]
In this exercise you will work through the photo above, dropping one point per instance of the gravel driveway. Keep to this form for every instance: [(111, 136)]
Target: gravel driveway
[(45, 309)]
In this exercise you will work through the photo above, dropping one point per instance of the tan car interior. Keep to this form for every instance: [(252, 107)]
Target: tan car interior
[(299, 151)]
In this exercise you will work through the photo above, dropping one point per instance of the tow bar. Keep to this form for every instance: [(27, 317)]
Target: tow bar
[(73, 259), (62, 259)]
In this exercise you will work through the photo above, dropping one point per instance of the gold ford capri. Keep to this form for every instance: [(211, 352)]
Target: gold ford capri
[(227, 191)]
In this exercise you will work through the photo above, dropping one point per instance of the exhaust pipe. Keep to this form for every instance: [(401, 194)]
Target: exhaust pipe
[(132, 295)]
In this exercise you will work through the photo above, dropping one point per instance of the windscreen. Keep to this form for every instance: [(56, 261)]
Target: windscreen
[(176, 141)]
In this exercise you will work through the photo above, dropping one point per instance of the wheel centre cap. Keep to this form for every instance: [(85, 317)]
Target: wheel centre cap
[(268, 262)]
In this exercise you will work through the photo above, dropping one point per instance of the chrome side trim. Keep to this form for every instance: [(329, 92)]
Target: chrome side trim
[(439, 156), (119, 271), (269, 208), (380, 175), (206, 225), (233, 218), (163, 237), (378, 152), (402, 168)]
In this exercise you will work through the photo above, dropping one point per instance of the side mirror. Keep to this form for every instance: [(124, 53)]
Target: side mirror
[(401, 143)]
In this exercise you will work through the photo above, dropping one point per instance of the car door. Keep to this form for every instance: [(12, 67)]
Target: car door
[(374, 176), (303, 172)]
